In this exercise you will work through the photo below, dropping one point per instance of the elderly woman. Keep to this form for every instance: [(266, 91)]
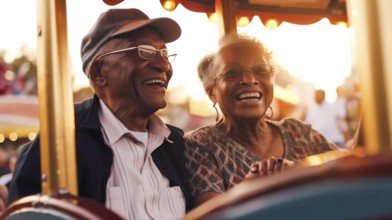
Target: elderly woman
[(240, 78)]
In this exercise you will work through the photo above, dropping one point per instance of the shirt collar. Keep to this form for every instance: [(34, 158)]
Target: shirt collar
[(115, 129)]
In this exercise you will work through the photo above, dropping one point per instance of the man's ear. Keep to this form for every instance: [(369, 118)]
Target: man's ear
[(96, 74)]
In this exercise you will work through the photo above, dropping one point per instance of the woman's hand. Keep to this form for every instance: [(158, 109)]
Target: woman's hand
[(268, 167)]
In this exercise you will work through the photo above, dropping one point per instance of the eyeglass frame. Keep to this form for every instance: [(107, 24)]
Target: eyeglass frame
[(224, 73), (161, 51)]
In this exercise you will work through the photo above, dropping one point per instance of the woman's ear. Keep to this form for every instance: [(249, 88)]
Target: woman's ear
[(211, 94)]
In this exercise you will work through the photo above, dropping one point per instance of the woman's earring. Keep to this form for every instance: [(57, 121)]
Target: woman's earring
[(217, 113), (272, 112)]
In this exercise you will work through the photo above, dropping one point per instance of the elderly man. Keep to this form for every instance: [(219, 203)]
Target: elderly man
[(127, 157)]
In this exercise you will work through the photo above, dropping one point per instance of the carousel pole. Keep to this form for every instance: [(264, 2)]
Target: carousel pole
[(226, 16), (58, 163), (373, 47)]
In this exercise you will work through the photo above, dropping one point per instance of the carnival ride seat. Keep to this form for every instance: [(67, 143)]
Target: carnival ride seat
[(57, 207), (350, 187)]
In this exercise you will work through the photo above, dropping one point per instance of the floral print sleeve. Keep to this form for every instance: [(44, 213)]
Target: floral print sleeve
[(302, 141), (216, 162)]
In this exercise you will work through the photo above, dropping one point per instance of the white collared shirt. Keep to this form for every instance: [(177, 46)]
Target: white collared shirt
[(136, 188)]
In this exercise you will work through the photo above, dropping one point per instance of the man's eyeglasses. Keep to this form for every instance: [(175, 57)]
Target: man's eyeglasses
[(146, 52), (237, 73)]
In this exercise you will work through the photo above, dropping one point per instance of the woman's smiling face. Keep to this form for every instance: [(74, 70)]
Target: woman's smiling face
[(244, 82)]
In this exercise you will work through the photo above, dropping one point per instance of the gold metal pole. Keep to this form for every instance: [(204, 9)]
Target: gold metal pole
[(372, 49), (58, 163), (226, 16)]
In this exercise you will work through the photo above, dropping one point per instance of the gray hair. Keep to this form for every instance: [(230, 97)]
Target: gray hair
[(204, 71), (208, 65)]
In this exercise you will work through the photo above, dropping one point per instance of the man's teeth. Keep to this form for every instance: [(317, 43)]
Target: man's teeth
[(155, 82)]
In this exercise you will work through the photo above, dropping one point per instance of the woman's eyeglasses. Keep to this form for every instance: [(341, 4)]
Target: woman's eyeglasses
[(238, 73), (146, 52)]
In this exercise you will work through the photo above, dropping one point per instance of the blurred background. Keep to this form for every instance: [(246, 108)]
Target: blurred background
[(309, 57)]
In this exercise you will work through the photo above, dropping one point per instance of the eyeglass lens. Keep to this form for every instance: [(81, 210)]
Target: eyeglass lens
[(236, 73), (148, 52), (145, 52)]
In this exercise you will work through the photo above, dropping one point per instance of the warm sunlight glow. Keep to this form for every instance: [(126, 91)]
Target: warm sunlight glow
[(32, 135), (212, 17), (169, 5), (317, 54), (13, 136), (243, 21), (271, 24), (286, 95), (342, 24), (201, 107)]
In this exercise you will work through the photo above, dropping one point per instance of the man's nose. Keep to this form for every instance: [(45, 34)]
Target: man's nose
[(161, 62)]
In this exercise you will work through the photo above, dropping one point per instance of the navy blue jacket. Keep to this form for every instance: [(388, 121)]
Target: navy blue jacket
[(95, 158)]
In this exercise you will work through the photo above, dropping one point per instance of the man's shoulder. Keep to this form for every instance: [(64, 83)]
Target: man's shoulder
[(175, 129), (82, 110), (83, 106)]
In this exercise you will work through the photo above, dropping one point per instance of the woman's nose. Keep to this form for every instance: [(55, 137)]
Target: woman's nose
[(248, 77)]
